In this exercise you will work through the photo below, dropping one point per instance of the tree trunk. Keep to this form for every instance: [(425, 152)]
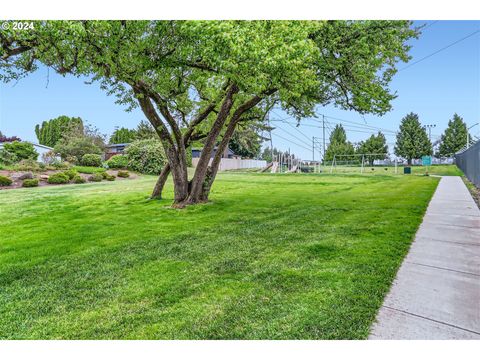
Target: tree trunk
[(157, 190), (201, 170), (213, 168)]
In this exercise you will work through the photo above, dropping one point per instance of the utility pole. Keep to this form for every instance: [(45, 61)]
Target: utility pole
[(313, 148), (323, 125), (271, 141)]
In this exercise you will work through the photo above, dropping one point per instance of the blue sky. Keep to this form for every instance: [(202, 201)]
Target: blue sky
[(435, 88)]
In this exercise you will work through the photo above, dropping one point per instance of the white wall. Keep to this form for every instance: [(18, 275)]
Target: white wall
[(233, 164), (39, 149)]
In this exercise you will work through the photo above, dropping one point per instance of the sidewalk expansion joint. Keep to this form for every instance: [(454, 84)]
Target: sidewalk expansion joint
[(433, 320), (442, 268)]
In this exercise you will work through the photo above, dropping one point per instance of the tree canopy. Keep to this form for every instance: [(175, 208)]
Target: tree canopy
[(412, 139), (123, 135), (51, 131), (247, 139), (198, 79), (454, 138), (338, 144), (375, 147)]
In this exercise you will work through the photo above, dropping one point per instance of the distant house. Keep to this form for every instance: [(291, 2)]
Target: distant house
[(227, 153), (39, 148), (115, 149)]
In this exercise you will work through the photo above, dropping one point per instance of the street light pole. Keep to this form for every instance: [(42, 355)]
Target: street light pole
[(429, 127)]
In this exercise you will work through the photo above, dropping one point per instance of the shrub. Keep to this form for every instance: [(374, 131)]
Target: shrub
[(91, 160), (23, 150), (71, 173), (77, 145), (77, 179), (95, 177), (117, 162), (49, 158), (58, 178), (30, 183), (123, 174), (89, 169), (146, 156), (72, 159), (59, 165), (27, 165), (109, 177), (7, 157), (5, 181)]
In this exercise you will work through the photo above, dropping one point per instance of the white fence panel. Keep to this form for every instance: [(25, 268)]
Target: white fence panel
[(234, 164)]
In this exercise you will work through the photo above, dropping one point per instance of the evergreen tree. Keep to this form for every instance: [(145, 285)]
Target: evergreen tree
[(375, 147), (454, 138), (145, 131), (123, 135), (412, 139), (247, 140), (338, 144), (266, 154), (52, 131)]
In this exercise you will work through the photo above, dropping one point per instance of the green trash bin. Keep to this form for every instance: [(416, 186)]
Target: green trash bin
[(407, 170)]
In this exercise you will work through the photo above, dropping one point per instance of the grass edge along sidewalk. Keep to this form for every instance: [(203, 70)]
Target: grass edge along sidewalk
[(436, 293)]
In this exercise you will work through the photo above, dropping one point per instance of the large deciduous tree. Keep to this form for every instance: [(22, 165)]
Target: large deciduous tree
[(454, 138), (412, 139), (375, 147), (196, 80)]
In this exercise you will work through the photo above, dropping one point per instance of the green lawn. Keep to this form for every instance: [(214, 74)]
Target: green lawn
[(442, 170), (287, 256)]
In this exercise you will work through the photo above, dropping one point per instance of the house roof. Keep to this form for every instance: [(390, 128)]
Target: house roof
[(117, 145)]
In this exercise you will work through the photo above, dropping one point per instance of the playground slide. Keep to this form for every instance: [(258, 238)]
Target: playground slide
[(274, 167), (293, 169), (269, 165)]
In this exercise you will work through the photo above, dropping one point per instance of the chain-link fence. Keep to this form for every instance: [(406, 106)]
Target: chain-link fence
[(469, 162)]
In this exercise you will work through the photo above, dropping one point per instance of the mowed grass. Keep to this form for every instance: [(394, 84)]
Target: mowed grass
[(286, 256), (440, 170)]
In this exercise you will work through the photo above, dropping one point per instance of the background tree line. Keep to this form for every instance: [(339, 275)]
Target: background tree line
[(412, 142)]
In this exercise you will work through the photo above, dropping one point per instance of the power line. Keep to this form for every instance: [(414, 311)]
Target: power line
[(296, 128), (358, 124), (427, 26), (355, 124), (439, 50), (296, 137), (281, 137)]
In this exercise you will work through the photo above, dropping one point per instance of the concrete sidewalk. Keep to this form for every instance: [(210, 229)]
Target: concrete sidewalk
[(436, 294)]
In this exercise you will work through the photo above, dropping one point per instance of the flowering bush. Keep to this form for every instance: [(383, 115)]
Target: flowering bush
[(146, 156)]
